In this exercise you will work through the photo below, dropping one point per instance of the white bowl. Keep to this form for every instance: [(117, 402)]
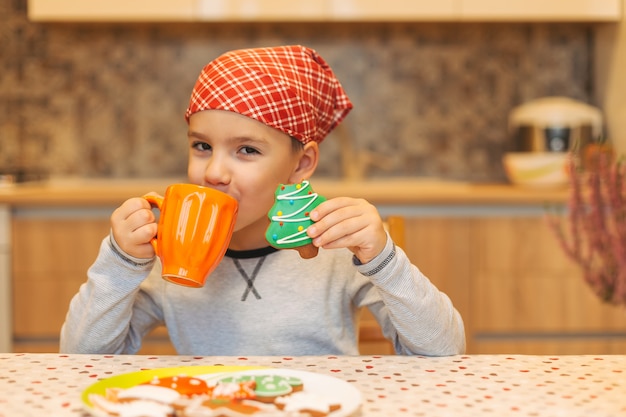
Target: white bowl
[(537, 169)]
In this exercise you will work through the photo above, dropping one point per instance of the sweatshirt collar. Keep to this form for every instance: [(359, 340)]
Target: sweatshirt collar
[(252, 253)]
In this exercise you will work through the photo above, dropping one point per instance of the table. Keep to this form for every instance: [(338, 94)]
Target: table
[(464, 385)]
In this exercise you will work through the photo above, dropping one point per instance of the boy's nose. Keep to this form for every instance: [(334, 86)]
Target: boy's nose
[(216, 172)]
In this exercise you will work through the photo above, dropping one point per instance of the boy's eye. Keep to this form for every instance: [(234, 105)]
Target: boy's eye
[(201, 146), (247, 150)]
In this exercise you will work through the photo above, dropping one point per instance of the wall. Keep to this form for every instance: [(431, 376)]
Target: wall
[(106, 100)]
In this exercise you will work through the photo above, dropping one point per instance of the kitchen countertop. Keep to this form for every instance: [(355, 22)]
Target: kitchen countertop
[(399, 191)]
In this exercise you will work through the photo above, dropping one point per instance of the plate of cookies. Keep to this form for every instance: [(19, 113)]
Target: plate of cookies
[(231, 391)]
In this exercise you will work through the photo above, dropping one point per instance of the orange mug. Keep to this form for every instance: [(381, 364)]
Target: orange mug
[(194, 230)]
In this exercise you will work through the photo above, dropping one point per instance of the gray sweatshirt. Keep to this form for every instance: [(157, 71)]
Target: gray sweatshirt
[(262, 302)]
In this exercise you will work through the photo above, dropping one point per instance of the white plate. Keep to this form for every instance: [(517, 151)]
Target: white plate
[(334, 390)]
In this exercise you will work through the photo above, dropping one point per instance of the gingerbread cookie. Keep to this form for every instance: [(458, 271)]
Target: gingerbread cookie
[(267, 387), (304, 403), (187, 386), (289, 218)]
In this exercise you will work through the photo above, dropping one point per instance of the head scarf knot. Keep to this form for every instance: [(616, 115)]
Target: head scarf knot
[(290, 88)]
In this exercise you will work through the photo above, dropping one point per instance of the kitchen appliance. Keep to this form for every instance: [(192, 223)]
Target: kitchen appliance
[(554, 124), (537, 169)]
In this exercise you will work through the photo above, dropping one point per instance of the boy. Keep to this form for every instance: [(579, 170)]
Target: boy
[(256, 118)]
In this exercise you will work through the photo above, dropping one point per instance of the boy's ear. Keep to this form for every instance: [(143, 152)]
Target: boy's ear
[(307, 162)]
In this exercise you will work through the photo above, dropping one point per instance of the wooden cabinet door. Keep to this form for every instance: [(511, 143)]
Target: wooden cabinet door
[(50, 258), (514, 288), (5, 279), (441, 248), (528, 297)]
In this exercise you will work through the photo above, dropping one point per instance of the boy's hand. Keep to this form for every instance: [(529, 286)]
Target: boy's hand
[(134, 225), (351, 223)]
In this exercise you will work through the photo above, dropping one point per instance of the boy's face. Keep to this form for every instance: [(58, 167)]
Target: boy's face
[(247, 160)]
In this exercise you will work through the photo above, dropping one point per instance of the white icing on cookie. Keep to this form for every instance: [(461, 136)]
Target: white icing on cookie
[(135, 408), (304, 401), (150, 392)]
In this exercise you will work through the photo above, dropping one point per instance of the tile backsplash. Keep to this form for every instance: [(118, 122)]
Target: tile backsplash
[(431, 99)]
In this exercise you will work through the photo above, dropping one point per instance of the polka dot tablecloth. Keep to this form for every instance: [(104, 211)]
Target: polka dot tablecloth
[(468, 385)]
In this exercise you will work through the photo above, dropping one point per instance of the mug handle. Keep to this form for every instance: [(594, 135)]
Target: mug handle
[(155, 201)]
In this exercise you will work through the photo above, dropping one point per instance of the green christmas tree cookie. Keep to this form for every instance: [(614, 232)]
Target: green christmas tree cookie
[(289, 218)]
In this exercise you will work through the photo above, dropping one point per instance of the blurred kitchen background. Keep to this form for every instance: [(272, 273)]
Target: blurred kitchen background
[(431, 98), (433, 84)]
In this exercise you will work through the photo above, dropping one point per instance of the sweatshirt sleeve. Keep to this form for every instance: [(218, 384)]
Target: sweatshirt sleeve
[(417, 317), (110, 313)]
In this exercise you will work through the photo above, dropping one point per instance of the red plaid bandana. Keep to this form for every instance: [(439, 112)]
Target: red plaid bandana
[(290, 88)]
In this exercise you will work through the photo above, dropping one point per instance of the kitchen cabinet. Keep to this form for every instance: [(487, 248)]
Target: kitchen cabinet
[(238, 10), (5, 279), (111, 10), (538, 10), (375, 10), (51, 252), (324, 10), (485, 245), (516, 290), (49, 256), (527, 293)]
